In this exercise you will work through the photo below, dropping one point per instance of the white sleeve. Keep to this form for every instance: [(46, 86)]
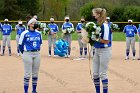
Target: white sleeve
[(22, 37), (106, 32)]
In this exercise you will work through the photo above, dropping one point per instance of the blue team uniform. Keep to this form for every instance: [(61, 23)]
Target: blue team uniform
[(81, 45), (53, 27), (6, 29), (106, 35), (79, 27), (67, 36), (30, 41), (20, 29), (130, 30), (67, 25), (51, 39)]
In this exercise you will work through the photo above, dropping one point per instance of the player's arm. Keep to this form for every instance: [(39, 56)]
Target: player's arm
[(21, 42), (135, 29), (78, 29), (124, 30)]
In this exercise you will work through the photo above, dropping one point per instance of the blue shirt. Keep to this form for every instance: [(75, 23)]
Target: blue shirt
[(6, 29), (53, 27), (105, 35), (130, 30), (19, 29), (139, 31), (79, 27), (67, 25), (30, 40), (110, 23)]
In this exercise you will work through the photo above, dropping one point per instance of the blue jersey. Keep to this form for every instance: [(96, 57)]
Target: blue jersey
[(105, 35), (139, 31), (20, 29), (30, 40), (67, 25), (6, 29), (53, 27), (110, 23), (79, 27), (130, 30)]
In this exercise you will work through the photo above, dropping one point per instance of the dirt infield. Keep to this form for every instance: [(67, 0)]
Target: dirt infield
[(64, 75)]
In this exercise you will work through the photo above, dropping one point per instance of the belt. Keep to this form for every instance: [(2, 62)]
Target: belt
[(33, 50)]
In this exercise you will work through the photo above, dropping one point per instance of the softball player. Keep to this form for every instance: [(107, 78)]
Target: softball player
[(110, 23), (139, 41), (29, 44), (52, 35), (102, 51), (0, 36), (6, 31), (82, 45), (67, 36), (19, 28), (130, 30)]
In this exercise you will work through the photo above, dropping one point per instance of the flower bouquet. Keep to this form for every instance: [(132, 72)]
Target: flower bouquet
[(46, 30), (115, 27), (91, 33), (68, 30)]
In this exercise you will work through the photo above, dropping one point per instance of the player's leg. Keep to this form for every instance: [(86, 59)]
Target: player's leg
[(85, 50), (133, 47), (49, 44), (69, 37), (80, 45), (96, 65), (27, 61), (35, 70), (139, 50), (54, 40), (105, 56), (9, 44), (4, 44), (17, 40), (128, 42)]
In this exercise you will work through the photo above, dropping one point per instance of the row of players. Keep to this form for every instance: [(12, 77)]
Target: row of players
[(6, 29)]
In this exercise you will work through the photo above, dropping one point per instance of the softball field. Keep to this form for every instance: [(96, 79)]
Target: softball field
[(65, 75)]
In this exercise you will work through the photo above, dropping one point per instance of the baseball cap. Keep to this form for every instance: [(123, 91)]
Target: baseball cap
[(107, 17), (5, 19), (31, 21), (51, 19), (35, 16), (130, 21), (20, 22), (67, 17)]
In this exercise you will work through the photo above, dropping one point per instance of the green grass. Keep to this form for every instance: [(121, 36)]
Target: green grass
[(117, 36)]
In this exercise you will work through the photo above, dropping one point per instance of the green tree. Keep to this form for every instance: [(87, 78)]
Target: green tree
[(10, 9)]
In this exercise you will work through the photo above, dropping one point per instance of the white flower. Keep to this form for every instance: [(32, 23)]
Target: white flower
[(95, 26), (70, 30), (93, 33), (87, 24), (93, 37), (98, 29)]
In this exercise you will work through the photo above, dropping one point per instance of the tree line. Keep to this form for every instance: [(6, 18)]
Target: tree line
[(118, 10)]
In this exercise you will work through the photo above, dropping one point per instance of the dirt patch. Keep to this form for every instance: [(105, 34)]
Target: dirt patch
[(64, 75)]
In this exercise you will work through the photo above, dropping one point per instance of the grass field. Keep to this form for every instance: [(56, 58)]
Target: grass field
[(117, 36)]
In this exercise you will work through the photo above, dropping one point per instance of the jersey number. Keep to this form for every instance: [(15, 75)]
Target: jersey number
[(34, 44)]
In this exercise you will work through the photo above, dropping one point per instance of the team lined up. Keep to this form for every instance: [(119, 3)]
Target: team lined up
[(130, 30)]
